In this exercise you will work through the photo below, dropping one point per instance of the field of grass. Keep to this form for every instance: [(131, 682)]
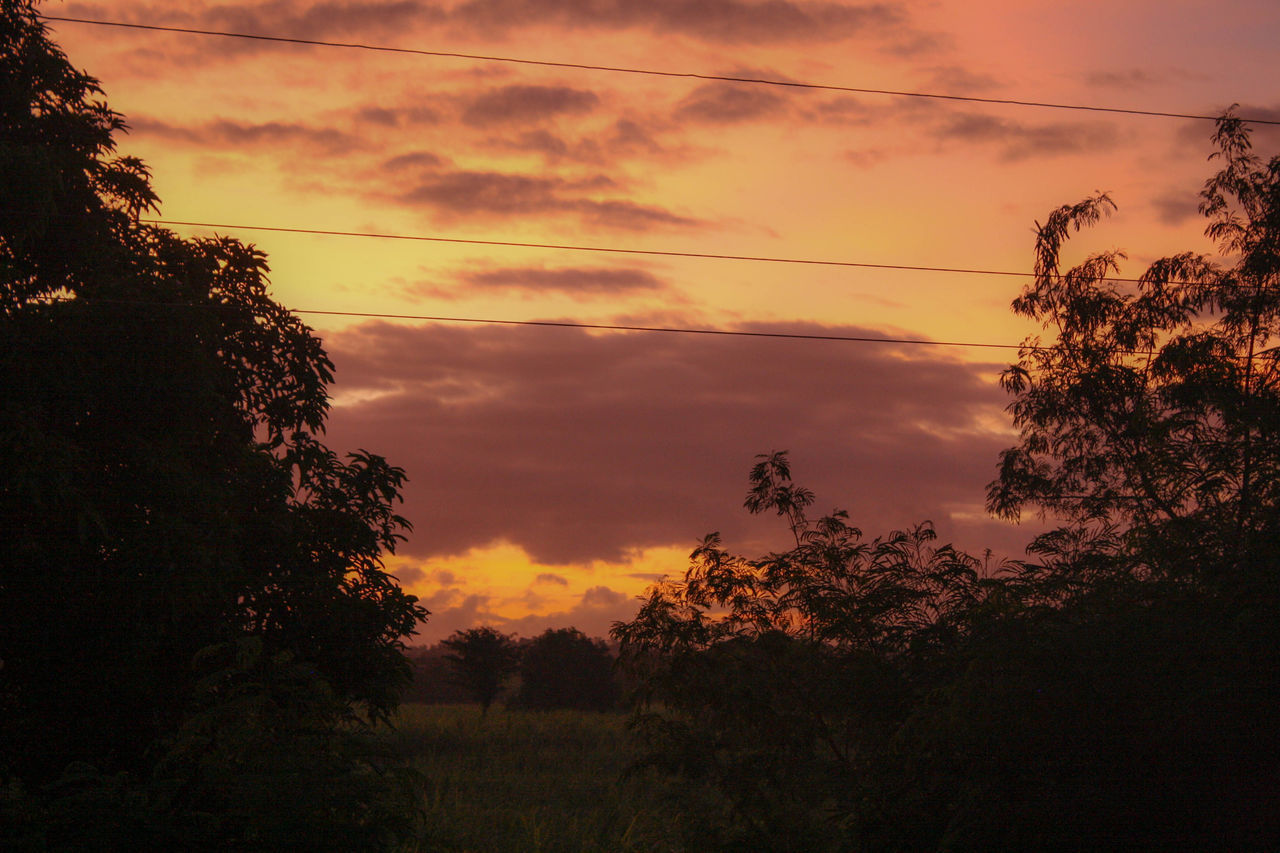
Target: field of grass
[(531, 781)]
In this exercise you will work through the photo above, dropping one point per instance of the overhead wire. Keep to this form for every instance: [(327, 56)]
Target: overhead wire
[(617, 69), (580, 248), (572, 324), (666, 253)]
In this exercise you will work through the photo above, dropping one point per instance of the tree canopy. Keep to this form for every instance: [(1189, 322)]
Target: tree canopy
[(482, 659), (1148, 423), (1113, 690), (564, 668), (166, 496)]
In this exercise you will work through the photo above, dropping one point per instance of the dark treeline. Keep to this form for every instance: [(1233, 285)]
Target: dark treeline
[(561, 668)]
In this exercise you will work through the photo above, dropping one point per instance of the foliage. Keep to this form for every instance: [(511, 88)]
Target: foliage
[(165, 493), (482, 658), (1148, 424), (782, 678), (564, 668), (1116, 690), (269, 759)]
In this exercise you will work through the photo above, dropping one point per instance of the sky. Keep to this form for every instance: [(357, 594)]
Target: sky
[(554, 472)]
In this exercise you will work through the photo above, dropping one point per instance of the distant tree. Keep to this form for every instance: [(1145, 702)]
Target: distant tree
[(164, 498), (564, 668), (482, 659)]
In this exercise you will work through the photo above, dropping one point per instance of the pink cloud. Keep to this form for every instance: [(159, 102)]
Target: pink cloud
[(579, 447)]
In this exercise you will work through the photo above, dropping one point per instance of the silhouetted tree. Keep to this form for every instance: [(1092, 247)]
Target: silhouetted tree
[(564, 668), (482, 659), (1148, 423), (164, 495), (782, 679), (1114, 692)]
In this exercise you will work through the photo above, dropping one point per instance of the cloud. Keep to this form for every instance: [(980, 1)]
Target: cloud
[(1176, 206), (490, 195), (515, 104), (547, 577), (303, 20), (720, 21), (1020, 141), (579, 446), (1140, 78), (730, 103), (714, 21), (625, 139), (413, 160), (593, 615), (397, 116), (575, 282), (225, 132)]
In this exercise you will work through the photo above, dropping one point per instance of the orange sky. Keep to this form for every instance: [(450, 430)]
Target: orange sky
[(555, 472)]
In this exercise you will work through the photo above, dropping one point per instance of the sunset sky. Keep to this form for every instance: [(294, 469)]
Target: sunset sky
[(555, 472)]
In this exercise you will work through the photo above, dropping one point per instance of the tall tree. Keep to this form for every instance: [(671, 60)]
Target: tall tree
[(165, 497), (1149, 420)]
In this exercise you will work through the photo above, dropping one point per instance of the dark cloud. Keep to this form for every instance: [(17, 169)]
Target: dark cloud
[(224, 132), (626, 139), (718, 21), (516, 104), (727, 103), (1176, 206), (1140, 78), (397, 116), (570, 281), (1019, 141), (724, 21), (290, 18), (580, 446), (487, 195), (414, 160), (543, 142), (547, 577)]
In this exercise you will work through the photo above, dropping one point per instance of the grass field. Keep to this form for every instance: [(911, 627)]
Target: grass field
[(531, 781)]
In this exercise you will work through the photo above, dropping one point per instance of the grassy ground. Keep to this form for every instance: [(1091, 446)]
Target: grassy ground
[(530, 781)]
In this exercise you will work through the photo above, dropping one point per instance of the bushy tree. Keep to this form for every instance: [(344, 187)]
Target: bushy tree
[(1148, 422), (482, 659), (783, 678), (1114, 691), (165, 493), (564, 668)]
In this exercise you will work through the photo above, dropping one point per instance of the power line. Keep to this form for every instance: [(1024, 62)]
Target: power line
[(615, 69), (612, 327), (570, 324), (576, 248), (372, 235)]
